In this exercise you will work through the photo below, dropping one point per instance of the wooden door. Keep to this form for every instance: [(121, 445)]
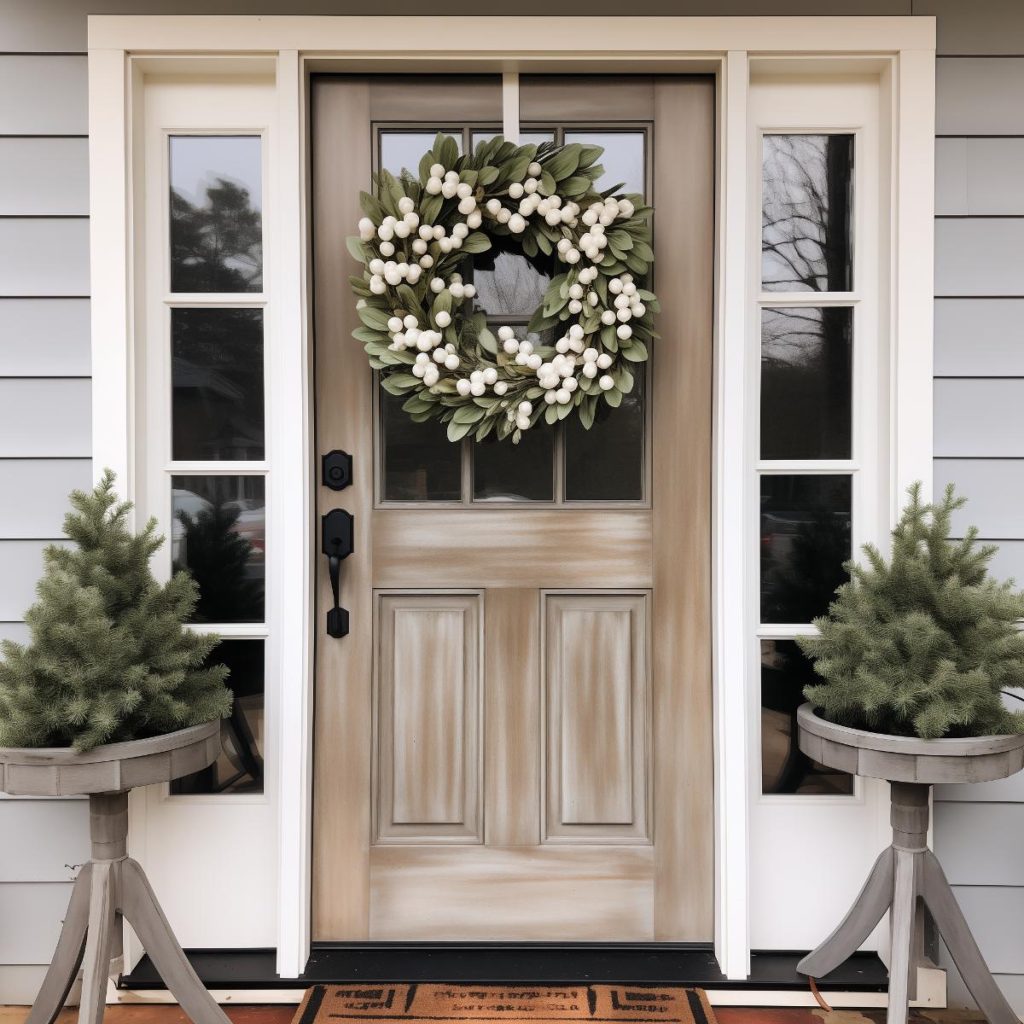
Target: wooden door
[(514, 741)]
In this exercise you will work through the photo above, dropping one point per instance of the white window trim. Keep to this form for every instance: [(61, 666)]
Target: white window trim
[(121, 47)]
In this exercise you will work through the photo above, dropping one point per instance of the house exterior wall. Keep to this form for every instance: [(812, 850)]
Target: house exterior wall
[(45, 389)]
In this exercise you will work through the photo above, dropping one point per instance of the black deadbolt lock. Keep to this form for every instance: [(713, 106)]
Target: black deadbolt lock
[(336, 540), (336, 470)]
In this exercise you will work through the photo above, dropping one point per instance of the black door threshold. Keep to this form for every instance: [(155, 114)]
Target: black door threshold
[(661, 963)]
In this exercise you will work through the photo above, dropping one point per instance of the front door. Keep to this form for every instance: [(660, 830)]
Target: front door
[(514, 740)]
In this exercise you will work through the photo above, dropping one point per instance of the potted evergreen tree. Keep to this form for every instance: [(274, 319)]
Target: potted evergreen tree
[(111, 692), (916, 656)]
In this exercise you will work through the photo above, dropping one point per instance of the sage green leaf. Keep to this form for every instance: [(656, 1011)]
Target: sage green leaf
[(430, 207), (475, 242), (588, 409), (443, 302), (398, 383), (551, 413), (487, 341), (355, 246), (613, 398), (548, 186), (374, 317), (564, 162), (643, 250), (636, 353), (468, 414), (370, 334), (530, 245), (457, 431), (574, 186), (372, 208), (487, 176), (409, 299), (621, 240), (426, 162), (447, 150)]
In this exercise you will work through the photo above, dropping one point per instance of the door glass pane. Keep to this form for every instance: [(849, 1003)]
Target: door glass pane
[(503, 471), (218, 534), (784, 769), (806, 213), (606, 463), (217, 383), (507, 284), (806, 383), (216, 213), (403, 150), (622, 160), (805, 538), (239, 769), (419, 462)]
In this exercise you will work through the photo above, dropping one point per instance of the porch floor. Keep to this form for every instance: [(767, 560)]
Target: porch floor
[(282, 1014)]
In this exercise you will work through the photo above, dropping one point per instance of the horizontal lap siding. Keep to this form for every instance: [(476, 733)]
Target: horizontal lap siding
[(45, 446), (979, 412)]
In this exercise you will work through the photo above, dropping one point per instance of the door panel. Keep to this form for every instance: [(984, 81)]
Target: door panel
[(514, 740), (597, 730), (429, 684)]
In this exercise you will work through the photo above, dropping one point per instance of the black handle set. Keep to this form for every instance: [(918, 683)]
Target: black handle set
[(336, 536)]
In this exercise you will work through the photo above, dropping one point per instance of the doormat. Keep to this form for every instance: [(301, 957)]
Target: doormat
[(505, 1004)]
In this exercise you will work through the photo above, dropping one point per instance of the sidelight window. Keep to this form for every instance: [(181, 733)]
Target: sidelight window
[(808, 473), (214, 482)]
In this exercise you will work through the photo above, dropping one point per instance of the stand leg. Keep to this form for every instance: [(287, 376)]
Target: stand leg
[(853, 930), (904, 904), (143, 912), (952, 926), (98, 944), (67, 958)]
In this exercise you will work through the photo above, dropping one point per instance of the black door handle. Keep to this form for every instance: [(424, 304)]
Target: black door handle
[(336, 539)]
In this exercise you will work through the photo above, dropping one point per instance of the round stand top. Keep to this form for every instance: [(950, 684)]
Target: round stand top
[(907, 758), (111, 768)]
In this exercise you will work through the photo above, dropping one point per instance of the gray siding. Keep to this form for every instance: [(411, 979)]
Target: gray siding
[(979, 437), (45, 432)]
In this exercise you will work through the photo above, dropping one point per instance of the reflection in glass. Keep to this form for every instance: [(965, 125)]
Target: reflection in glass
[(805, 538), (622, 160), (503, 471), (606, 463), (508, 284), (806, 383), (216, 219), (218, 534), (806, 224), (784, 768), (403, 150), (419, 462), (239, 769), (217, 383)]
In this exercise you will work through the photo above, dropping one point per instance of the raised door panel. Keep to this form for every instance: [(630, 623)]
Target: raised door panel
[(428, 783), (597, 723)]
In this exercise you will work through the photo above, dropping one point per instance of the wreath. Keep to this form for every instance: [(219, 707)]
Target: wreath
[(419, 325)]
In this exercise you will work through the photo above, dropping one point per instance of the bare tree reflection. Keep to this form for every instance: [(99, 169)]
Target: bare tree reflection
[(216, 246), (805, 212)]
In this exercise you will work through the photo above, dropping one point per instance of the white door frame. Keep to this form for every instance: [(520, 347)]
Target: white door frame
[(123, 49)]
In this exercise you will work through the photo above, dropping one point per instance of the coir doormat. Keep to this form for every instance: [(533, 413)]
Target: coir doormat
[(505, 1004)]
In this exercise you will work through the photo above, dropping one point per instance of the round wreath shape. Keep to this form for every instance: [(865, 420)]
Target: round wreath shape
[(420, 326)]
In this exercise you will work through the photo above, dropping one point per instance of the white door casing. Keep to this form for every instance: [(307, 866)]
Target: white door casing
[(129, 53)]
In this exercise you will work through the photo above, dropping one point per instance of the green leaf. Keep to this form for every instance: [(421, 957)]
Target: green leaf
[(468, 414), (398, 383), (370, 334), (374, 317), (430, 207), (457, 431), (476, 242), (613, 398), (487, 176), (426, 162), (636, 353), (447, 151), (355, 247), (487, 341), (548, 185), (372, 208), (410, 300), (588, 409), (574, 186)]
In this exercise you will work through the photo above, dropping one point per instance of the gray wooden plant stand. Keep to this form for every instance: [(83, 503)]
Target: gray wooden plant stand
[(112, 885), (907, 871)]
